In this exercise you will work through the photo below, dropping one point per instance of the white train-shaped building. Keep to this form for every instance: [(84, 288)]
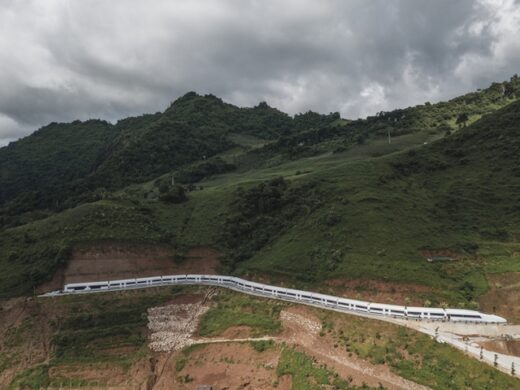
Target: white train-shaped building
[(323, 300)]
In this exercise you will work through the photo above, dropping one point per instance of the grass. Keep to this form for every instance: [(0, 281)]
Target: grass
[(262, 345), (412, 355), (234, 309), (307, 375), (104, 323), (32, 378), (84, 331)]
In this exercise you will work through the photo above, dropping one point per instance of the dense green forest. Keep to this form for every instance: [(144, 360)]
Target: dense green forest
[(304, 198)]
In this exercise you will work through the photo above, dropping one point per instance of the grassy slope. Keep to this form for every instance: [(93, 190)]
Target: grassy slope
[(386, 210), (458, 194), (385, 204)]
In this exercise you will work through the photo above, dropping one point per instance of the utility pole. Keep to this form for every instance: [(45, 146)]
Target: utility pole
[(389, 138)]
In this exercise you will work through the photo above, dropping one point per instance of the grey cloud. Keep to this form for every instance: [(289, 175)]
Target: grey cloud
[(62, 61)]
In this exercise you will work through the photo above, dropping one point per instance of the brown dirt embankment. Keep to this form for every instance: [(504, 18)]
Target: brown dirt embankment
[(112, 261), (503, 296), (379, 291)]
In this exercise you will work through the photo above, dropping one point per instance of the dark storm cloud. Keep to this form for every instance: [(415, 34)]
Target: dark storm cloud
[(63, 60)]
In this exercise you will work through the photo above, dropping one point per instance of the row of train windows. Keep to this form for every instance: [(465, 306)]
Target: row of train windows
[(79, 288)]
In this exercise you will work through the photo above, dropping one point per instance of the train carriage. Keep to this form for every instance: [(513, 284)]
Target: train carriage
[(344, 304)]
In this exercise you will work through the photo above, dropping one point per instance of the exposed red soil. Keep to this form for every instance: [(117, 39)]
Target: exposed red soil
[(439, 252), (118, 261), (24, 336), (503, 296), (105, 374), (236, 332), (232, 366)]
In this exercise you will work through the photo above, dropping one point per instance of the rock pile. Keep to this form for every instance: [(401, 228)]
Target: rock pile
[(172, 326)]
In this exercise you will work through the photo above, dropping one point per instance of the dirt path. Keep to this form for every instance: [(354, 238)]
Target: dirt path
[(303, 330)]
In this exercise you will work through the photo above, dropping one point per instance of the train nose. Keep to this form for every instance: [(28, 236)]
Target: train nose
[(498, 319)]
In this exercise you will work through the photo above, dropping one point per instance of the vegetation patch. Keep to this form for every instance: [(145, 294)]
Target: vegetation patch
[(308, 375), (234, 309), (413, 355)]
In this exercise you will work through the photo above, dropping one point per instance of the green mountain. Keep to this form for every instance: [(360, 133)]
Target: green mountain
[(63, 165), (301, 199)]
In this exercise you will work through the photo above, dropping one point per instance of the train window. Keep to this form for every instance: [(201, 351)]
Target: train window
[(414, 313), (78, 288), (343, 304), (307, 296), (156, 280), (329, 301), (375, 309), (141, 281)]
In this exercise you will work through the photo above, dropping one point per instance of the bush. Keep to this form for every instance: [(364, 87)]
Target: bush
[(176, 194)]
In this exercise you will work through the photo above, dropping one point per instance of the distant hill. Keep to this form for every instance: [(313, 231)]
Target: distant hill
[(80, 159), (439, 118)]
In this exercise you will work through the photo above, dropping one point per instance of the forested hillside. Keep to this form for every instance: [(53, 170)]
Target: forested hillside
[(358, 200), (63, 165)]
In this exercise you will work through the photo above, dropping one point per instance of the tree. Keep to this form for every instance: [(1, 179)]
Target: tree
[(175, 194), (462, 119)]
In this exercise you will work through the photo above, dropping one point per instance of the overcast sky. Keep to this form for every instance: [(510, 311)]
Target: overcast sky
[(65, 60)]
